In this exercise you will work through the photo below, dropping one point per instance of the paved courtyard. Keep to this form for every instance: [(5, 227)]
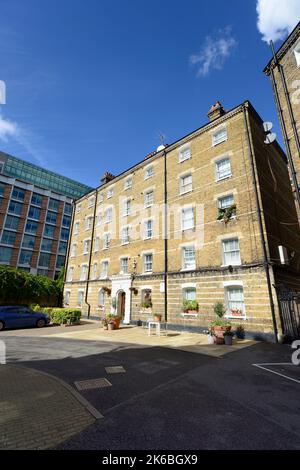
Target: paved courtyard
[(153, 395)]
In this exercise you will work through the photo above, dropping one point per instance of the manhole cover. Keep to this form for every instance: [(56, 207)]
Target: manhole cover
[(115, 370), (93, 383)]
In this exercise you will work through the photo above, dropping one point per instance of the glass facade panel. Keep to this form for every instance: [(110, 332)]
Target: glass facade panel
[(51, 217), (18, 193), (49, 231), (5, 254), (44, 260), (36, 199), (8, 238), (34, 213), (12, 222), (28, 241), (31, 227), (25, 257), (46, 244), (53, 204), (15, 208)]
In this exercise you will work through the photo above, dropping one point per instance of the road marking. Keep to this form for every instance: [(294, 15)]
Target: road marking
[(260, 366)]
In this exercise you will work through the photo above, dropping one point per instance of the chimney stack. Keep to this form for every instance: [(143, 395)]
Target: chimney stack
[(216, 111), (107, 177)]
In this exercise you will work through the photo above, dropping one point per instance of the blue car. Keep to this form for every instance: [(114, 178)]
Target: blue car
[(21, 317)]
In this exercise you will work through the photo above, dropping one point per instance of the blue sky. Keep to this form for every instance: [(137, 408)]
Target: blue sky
[(91, 84)]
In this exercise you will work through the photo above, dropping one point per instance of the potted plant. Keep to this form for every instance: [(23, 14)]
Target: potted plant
[(157, 317), (210, 337), (228, 335), (111, 325), (227, 214), (190, 306), (236, 312), (104, 323), (240, 332), (115, 319), (219, 326), (147, 306)]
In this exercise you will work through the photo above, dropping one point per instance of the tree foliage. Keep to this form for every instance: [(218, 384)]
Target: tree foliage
[(21, 287)]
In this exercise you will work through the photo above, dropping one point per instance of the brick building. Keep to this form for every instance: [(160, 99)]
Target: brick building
[(284, 72), (35, 216), (203, 219)]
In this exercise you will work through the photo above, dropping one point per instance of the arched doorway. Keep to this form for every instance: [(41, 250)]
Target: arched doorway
[(121, 304)]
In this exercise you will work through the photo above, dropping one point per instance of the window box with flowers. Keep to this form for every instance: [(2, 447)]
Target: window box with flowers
[(190, 306), (226, 214)]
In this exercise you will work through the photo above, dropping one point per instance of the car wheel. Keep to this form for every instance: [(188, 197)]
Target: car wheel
[(40, 323), (2, 326)]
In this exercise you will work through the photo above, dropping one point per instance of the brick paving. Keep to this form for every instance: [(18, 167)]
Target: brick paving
[(37, 411)]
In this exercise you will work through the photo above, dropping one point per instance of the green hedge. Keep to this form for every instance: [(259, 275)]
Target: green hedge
[(59, 315)]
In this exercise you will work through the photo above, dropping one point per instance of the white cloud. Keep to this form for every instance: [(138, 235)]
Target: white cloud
[(8, 129), (277, 18), (214, 51)]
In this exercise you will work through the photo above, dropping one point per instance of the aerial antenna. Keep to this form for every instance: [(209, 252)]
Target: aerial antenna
[(162, 138)]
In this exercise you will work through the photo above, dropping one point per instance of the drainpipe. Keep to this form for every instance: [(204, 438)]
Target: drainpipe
[(90, 257), (165, 238), (287, 97), (260, 221), (282, 123), (69, 242)]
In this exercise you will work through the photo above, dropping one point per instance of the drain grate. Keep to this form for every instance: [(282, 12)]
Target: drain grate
[(115, 370), (92, 383)]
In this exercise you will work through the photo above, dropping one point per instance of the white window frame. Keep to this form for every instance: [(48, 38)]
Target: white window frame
[(89, 222), (91, 201), (148, 232), (108, 219), (185, 188), (126, 207), (83, 272), (186, 290), (149, 172), (70, 273), (95, 271), (86, 246), (221, 198), (121, 265), (184, 153), (106, 240), (110, 192), (101, 296), (125, 240), (147, 271), (76, 228), (81, 292), (227, 288), (227, 240), (104, 274), (146, 194), (185, 265), (97, 244), (74, 250), (217, 163), (67, 297), (219, 140), (184, 210), (128, 183), (100, 197)]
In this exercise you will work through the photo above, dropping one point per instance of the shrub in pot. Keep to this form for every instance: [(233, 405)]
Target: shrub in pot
[(115, 319), (219, 326), (228, 336), (240, 332), (157, 317), (190, 306)]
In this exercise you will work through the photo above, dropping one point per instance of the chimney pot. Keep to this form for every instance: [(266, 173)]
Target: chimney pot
[(216, 111)]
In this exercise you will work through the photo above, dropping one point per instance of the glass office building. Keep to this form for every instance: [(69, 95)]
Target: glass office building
[(35, 216)]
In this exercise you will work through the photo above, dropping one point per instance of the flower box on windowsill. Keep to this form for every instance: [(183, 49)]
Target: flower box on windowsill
[(190, 314)]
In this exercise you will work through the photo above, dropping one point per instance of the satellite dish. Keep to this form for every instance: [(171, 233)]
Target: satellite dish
[(267, 126), (270, 136)]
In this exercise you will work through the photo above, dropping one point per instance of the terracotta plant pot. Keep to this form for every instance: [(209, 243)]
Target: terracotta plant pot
[(219, 333), (157, 317), (117, 323)]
